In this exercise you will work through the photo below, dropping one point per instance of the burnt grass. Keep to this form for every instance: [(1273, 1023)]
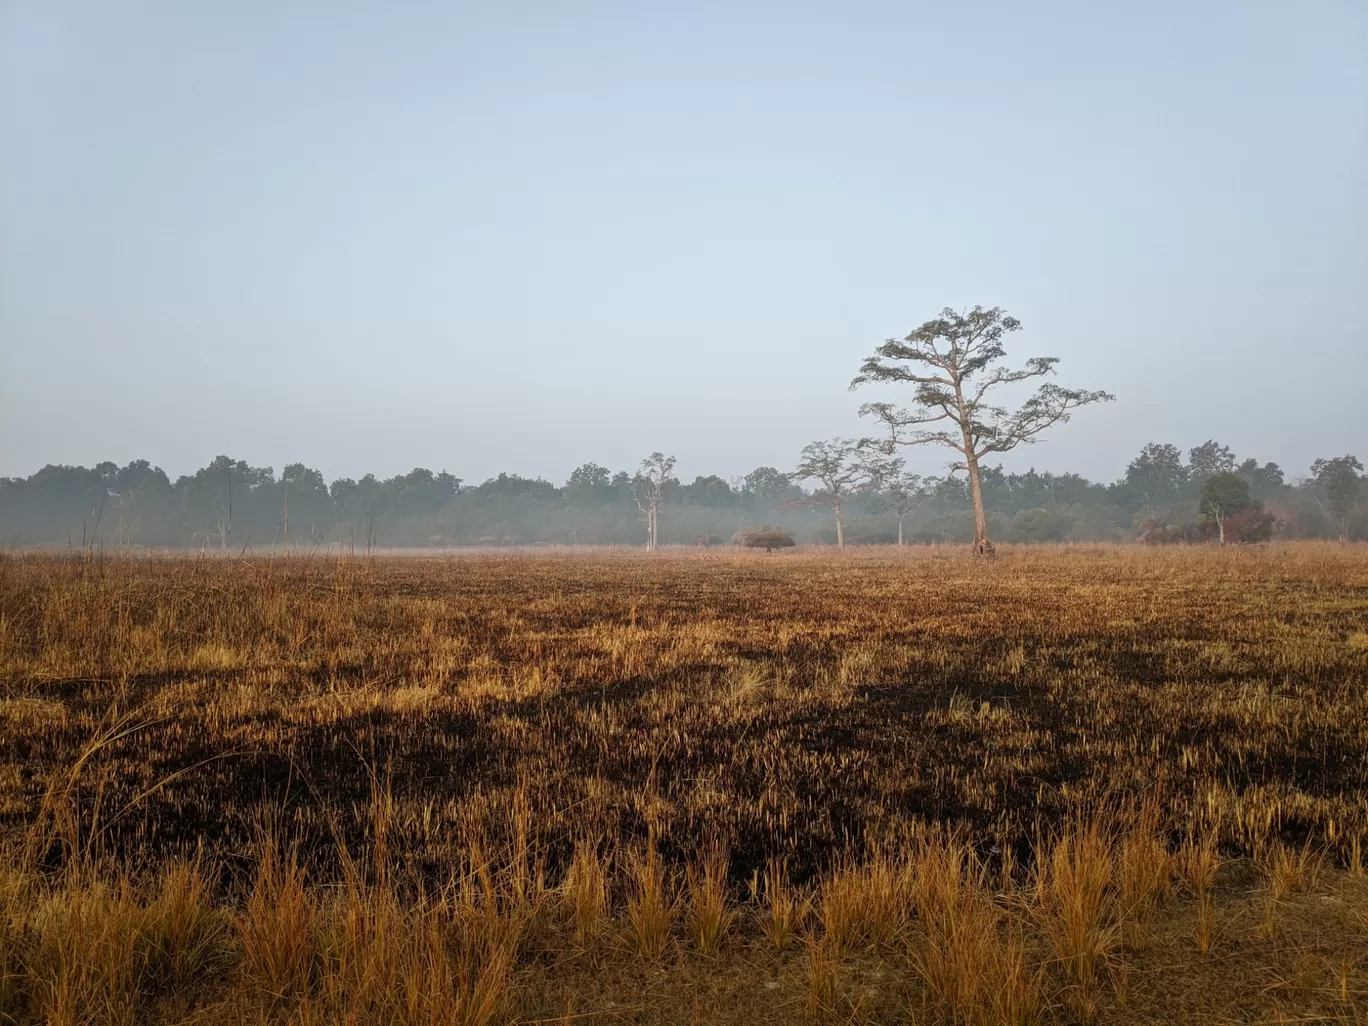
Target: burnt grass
[(800, 705)]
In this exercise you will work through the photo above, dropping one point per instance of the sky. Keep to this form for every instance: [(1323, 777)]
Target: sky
[(515, 236)]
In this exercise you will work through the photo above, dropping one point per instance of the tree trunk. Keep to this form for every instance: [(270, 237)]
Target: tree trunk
[(840, 535), (900, 543), (1220, 528), (983, 545)]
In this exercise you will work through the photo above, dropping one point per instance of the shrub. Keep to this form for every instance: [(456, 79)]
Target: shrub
[(767, 538)]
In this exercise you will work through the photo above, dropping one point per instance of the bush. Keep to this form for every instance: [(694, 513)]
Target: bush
[(1160, 529), (1249, 525), (767, 538)]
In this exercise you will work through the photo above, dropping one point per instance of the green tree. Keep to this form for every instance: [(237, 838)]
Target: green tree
[(1265, 481), (1224, 495), (303, 481), (1211, 457), (1157, 474), (766, 483), (588, 477), (1338, 482), (954, 362)]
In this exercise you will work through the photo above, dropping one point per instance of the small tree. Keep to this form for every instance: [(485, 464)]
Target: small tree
[(1339, 481), (648, 488), (953, 362), (841, 466), (1224, 495), (900, 494)]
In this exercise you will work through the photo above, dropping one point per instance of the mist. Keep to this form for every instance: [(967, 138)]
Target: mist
[(497, 241)]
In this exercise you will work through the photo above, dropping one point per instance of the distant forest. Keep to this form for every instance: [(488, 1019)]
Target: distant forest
[(1162, 497)]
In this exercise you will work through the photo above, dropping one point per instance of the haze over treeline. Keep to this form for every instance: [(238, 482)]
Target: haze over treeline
[(1164, 494), (379, 234)]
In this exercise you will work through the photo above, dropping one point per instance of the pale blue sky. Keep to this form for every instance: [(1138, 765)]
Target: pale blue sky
[(522, 236)]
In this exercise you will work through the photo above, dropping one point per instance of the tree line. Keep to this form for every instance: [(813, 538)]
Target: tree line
[(840, 491), (1161, 497)]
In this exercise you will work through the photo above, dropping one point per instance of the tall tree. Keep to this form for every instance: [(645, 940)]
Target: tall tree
[(1157, 473), (841, 467), (589, 483), (588, 477), (953, 362), (766, 483), (1211, 457), (648, 488), (1265, 481), (1338, 480)]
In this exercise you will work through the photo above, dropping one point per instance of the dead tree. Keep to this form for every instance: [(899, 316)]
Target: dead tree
[(648, 488), (953, 362)]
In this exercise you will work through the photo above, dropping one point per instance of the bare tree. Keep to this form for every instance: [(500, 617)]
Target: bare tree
[(841, 467), (953, 362), (648, 488)]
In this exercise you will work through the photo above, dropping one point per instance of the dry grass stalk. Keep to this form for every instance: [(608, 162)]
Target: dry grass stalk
[(1197, 862), (710, 914), (1286, 870), (88, 955), (278, 928), (785, 908), (431, 962), (823, 979), (1081, 906), (1204, 923), (651, 905), (585, 891), (186, 934), (971, 962), (864, 903)]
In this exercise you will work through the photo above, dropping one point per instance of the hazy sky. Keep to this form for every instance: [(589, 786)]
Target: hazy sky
[(519, 237)]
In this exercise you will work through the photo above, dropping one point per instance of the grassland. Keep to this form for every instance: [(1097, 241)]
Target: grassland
[(1070, 784)]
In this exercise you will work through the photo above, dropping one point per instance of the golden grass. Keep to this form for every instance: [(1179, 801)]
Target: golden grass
[(1071, 784)]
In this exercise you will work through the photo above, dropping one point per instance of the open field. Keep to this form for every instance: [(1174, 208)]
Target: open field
[(1071, 784)]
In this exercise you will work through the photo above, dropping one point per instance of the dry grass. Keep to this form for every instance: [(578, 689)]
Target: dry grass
[(783, 909), (652, 904), (533, 788), (711, 914), (585, 892)]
